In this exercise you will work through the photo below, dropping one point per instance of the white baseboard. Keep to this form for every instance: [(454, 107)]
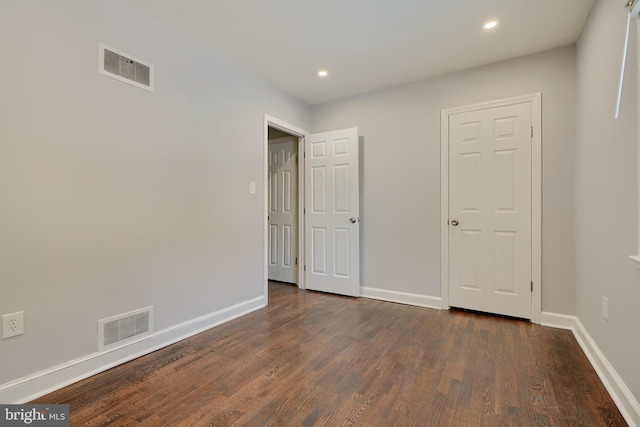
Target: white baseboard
[(558, 321), (28, 388), (620, 393), (401, 297), (33, 386)]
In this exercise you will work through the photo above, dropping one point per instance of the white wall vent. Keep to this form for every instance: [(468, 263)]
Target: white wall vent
[(124, 328), (124, 67)]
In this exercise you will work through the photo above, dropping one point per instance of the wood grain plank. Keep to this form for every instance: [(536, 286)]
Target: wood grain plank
[(314, 359)]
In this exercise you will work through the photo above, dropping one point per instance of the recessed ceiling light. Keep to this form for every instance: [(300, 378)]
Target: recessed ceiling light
[(323, 73), (490, 25)]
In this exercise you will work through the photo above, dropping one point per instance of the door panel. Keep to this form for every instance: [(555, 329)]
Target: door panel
[(283, 219), (332, 212), (490, 198)]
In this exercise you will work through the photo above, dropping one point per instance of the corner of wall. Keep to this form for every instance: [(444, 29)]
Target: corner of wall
[(615, 385)]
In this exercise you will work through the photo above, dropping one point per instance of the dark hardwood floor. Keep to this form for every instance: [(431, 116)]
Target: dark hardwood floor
[(317, 359)]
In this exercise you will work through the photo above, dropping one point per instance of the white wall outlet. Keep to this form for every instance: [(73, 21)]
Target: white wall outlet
[(252, 187), (605, 308), (12, 324)]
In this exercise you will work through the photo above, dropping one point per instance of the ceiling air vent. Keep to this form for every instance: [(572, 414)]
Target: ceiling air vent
[(124, 328), (124, 67)]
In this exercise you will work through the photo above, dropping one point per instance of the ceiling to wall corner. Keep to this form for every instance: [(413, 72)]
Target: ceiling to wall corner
[(367, 45)]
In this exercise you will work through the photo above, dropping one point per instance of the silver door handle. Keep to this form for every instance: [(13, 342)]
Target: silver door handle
[(352, 220), (454, 222)]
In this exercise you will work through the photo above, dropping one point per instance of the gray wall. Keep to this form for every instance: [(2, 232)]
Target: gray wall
[(606, 192), (114, 198), (401, 176)]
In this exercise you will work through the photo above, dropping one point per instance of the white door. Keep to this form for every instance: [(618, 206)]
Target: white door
[(283, 203), (332, 230), (490, 210)]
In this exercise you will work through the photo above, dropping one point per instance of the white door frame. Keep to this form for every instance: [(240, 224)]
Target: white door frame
[(270, 121), (536, 195)]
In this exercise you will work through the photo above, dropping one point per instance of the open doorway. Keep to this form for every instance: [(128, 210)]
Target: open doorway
[(277, 128), (326, 214), (282, 206)]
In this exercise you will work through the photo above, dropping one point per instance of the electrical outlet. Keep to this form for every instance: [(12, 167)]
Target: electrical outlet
[(605, 308), (12, 324)]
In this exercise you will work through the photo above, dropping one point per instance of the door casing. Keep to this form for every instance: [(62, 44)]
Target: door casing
[(270, 121), (536, 195)]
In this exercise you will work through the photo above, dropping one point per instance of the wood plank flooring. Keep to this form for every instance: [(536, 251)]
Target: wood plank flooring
[(313, 359)]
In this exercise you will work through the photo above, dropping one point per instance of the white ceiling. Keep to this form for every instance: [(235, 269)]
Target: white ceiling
[(368, 44)]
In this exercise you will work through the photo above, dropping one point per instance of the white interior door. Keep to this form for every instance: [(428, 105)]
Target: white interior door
[(332, 229), (282, 208), (490, 210)]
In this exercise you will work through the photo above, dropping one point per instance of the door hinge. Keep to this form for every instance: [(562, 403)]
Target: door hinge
[(304, 211), (531, 131), (305, 267), (532, 286), (296, 260)]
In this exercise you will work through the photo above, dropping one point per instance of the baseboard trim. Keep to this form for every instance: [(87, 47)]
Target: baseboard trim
[(33, 386), (558, 321), (620, 393), (28, 388), (622, 396), (402, 297)]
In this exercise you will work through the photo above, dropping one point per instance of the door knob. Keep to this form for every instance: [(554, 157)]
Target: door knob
[(352, 220), (454, 222)]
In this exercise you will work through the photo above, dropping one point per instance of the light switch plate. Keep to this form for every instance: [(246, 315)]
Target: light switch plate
[(252, 187)]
